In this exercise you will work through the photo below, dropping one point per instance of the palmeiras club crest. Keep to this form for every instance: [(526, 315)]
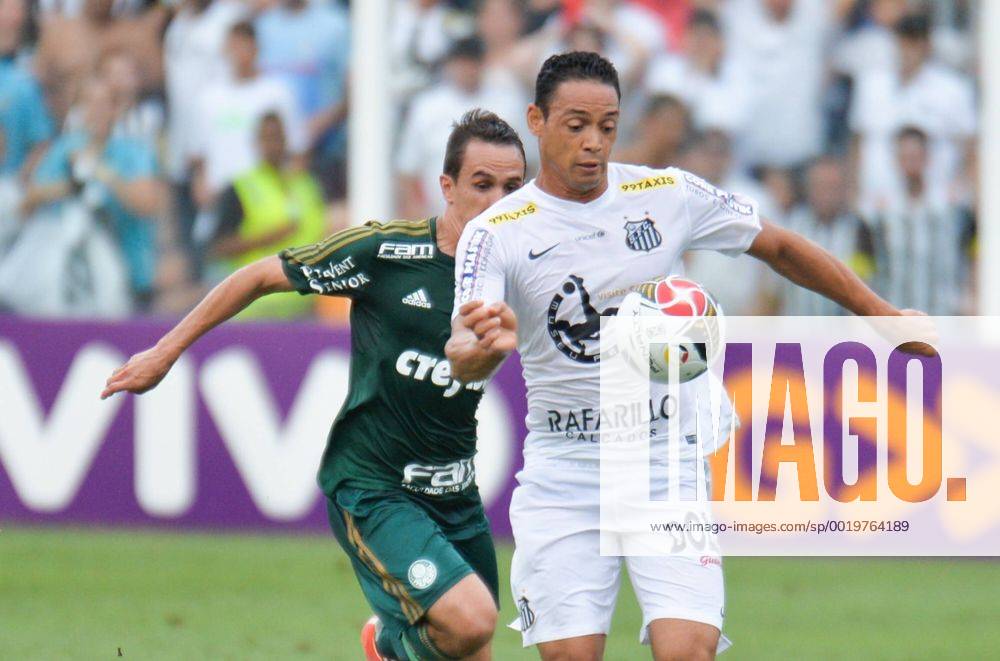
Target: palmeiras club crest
[(642, 234)]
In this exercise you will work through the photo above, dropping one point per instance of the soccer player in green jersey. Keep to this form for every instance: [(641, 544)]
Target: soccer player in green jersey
[(398, 468)]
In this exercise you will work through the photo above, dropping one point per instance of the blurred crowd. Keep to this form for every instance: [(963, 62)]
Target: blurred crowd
[(147, 150)]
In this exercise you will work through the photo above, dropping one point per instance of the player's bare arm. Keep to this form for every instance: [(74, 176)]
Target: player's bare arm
[(482, 336), (806, 264), (146, 369)]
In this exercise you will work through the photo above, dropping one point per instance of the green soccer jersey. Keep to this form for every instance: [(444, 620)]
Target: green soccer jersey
[(406, 422)]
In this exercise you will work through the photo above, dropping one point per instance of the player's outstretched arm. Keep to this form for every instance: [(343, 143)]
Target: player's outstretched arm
[(808, 265), (482, 336), (146, 369)]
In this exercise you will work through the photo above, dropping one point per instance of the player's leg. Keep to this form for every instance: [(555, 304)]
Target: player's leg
[(682, 640), (682, 600), (406, 567), (563, 588), (578, 648)]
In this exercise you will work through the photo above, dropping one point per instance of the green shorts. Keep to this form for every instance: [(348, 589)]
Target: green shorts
[(404, 555)]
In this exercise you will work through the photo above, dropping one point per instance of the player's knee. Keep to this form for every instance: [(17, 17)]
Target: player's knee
[(468, 627), (693, 649)]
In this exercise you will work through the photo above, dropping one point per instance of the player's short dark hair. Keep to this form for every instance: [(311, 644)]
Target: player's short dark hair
[(914, 26), (578, 65), (915, 132), (704, 18), (477, 124), (244, 29)]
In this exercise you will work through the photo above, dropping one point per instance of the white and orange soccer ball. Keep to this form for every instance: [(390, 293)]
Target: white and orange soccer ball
[(686, 335)]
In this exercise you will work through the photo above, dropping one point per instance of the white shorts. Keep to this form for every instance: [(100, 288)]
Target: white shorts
[(562, 585)]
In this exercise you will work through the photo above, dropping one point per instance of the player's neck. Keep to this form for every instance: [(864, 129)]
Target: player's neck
[(448, 230), (555, 187)]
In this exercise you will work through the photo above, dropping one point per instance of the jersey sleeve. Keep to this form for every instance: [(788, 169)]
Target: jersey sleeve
[(719, 220), (339, 265), (480, 271)]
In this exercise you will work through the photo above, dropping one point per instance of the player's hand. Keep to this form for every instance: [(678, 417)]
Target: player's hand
[(920, 328), (495, 325), (142, 372)]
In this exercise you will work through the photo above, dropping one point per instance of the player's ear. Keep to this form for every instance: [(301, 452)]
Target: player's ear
[(447, 188), (536, 119)]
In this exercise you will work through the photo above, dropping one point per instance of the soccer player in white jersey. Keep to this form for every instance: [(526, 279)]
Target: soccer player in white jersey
[(535, 272)]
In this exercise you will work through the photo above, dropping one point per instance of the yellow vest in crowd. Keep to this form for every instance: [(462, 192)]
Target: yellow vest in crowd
[(269, 197)]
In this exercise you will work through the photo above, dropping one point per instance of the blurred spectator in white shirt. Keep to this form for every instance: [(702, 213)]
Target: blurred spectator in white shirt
[(826, 219), (429, 122), (873, 45), (422, 33), (780, 46), (710, 84), (194, 59), (742, 284), (919, 236), (660, 135), (918, 92), (229, 113)]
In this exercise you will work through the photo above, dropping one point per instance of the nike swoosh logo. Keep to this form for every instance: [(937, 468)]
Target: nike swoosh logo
[(535, 255)]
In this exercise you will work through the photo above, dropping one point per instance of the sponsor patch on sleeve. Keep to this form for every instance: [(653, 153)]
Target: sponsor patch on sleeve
[(702, 188), (477, 255)]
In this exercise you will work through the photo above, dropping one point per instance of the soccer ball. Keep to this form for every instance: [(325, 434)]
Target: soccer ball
[(688, 333)]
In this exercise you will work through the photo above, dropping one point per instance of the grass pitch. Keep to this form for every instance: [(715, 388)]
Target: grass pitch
[(71, 593)]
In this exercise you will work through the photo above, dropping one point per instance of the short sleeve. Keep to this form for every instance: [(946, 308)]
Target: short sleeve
[(479, 268), (718, 220), (339, 265)]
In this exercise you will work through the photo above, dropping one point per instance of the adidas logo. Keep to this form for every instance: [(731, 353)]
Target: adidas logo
[(418, 299)]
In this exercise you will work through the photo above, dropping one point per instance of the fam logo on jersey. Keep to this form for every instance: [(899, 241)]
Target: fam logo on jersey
[(648, 183), (702, 188), (389, 250), (422, 574), (580, 340), (642, 234), (518, 214), (433, 480)]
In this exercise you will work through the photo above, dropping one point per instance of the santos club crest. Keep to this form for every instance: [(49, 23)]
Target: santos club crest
[(642, 234)]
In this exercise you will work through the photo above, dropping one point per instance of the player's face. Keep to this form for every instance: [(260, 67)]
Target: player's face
[(576, 138), (488, 173)]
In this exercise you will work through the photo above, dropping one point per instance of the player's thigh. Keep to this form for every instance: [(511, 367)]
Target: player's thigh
[(561, 585), (480, 552), (403, 561), (682, 589)]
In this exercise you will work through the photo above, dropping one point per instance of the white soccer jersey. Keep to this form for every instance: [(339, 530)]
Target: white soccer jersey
[(560, 265)]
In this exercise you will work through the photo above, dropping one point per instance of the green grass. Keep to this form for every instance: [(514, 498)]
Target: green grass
[(69, 593)]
